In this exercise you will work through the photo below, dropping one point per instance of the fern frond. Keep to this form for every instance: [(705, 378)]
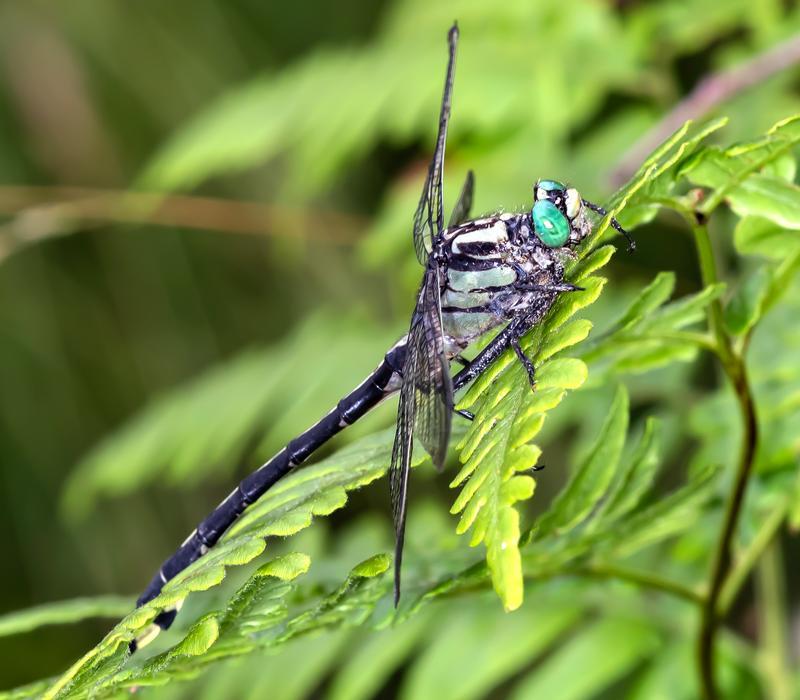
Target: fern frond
[(184, 435), (289, 507), (325, 121), (648, 334), (63, 612), (602, 515), (256, 619), (495, 450), (496, 447)]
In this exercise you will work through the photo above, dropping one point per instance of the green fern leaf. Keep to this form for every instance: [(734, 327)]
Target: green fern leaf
[(646, 335), (624, 643), (592, 478), (495, 448), (601, 515), (184, 436), (288, 508), (735, 174), (63, 612)]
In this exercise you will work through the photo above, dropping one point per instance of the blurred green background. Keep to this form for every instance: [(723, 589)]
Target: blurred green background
[(197, 334)]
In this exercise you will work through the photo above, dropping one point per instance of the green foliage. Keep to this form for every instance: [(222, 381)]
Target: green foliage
[(62, 613), (325, 122), (642, 382), (184, 435), (497, 446), (604, 524)]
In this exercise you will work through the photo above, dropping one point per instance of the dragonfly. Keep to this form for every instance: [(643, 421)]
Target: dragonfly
[(499, 271)]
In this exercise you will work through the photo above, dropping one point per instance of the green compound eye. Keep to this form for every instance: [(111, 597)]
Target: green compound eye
[(551, 185), (545, 188), (550, 224)]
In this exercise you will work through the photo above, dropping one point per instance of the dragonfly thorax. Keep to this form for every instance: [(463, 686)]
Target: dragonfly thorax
[(493, 267)]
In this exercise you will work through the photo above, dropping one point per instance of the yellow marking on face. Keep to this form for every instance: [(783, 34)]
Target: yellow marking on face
[(573, 202)]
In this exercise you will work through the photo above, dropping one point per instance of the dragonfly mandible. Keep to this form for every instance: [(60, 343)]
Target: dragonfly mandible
[(502, 270)]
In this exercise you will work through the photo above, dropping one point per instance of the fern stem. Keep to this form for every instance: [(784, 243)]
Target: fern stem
[(723, 555), (708, 272), (748, 559), (701, 340), (601, 570), (734, 367), (773, 634), (644, 579)]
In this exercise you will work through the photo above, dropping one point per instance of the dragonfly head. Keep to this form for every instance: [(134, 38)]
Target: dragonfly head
[(558, 214)]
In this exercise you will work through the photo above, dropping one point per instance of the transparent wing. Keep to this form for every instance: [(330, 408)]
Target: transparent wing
[(433, 387), (426, 403), (429, 217), (464, 204)]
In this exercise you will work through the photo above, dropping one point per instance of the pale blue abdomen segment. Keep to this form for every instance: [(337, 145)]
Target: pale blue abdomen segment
[(465, 300), (468, 280)]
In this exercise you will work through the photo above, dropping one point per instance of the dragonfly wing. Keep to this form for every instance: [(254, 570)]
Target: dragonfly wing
[(433, 387), (464, 204), (429, 217), (426, 395), (398, 473), (426, 403)]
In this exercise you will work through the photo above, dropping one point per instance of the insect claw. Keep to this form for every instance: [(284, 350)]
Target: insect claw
[(530, 471), (562, 287), (465, 414), (463, 361), (614, 223), (526, 363)]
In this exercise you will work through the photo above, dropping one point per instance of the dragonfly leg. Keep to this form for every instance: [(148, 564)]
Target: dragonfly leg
[(463, 361), (526, 362), (562, 287), (515, 330), (469, 415), (617, 226), (532, 470)]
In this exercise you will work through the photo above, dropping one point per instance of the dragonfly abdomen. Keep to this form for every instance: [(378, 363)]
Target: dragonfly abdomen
[(383, 382)]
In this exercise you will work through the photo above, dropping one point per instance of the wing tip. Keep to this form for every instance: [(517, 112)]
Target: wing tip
[(398, 564)]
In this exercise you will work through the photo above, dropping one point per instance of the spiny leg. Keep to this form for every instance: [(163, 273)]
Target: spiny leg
[(616, 224), (463, 361), (530, 471), (492, 351), (561, 287), (526, 362)]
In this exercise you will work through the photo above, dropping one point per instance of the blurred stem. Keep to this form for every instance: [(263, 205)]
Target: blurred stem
[(734, 367), (709, 93), (46, 212), (592, 569), (748, 559), (644, 579), (701, 340), (708, 272), (773, 632)]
